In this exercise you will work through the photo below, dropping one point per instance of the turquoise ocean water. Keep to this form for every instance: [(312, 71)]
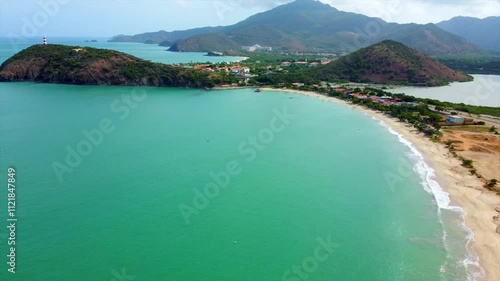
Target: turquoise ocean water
[(120, 183)]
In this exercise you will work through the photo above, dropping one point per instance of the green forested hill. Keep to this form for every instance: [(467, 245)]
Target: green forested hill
[(90, 66)]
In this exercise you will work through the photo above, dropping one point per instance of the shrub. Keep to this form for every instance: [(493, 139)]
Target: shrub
[(467, 163), (491, 184)]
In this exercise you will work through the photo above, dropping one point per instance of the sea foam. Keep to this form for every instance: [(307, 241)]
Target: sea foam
[(442, 198)]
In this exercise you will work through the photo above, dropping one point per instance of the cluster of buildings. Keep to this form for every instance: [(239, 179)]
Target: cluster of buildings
[(241, 72), (235, 69), (256, 48), (384, 100)]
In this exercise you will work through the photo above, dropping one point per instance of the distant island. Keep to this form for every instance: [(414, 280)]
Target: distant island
[(90, 66), (388, 62)]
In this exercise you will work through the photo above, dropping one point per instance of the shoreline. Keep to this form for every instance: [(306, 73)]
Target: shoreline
[(465, 190)]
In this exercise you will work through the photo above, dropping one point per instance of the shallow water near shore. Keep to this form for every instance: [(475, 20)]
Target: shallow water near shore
[(320, 174)]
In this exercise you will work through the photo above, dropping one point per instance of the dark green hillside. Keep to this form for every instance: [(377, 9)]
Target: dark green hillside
[(90, 66)]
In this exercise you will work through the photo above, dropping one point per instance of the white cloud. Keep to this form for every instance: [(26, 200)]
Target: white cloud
[(418, 11)]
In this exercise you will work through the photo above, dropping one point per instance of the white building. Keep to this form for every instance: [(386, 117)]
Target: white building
[(255, 48)]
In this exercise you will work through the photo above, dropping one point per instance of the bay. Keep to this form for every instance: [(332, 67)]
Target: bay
[(317, 177)]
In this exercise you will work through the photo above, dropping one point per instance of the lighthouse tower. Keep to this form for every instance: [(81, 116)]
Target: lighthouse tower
[(44, 40)]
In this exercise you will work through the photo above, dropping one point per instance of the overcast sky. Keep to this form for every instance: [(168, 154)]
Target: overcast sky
[(100, 18)]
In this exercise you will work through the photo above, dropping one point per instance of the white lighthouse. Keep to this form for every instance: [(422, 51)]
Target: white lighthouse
[(44, 39)]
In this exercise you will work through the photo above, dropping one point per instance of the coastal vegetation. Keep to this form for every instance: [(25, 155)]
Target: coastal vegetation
[(492, 183), (467, 163), (479, 63)]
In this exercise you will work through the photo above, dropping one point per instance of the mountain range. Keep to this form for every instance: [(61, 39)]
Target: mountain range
[(483, 32), (308, 25)]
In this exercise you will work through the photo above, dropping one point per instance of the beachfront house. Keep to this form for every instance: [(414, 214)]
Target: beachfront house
[(455, 119)]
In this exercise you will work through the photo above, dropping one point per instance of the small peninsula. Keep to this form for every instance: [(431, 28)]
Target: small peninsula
[(62, 64)]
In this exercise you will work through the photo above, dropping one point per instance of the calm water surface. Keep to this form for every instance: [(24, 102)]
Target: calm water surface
[(110, 188), (484, 90), (130, 201)]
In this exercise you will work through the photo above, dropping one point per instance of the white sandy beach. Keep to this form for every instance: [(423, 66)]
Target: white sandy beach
[(465, 190)]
